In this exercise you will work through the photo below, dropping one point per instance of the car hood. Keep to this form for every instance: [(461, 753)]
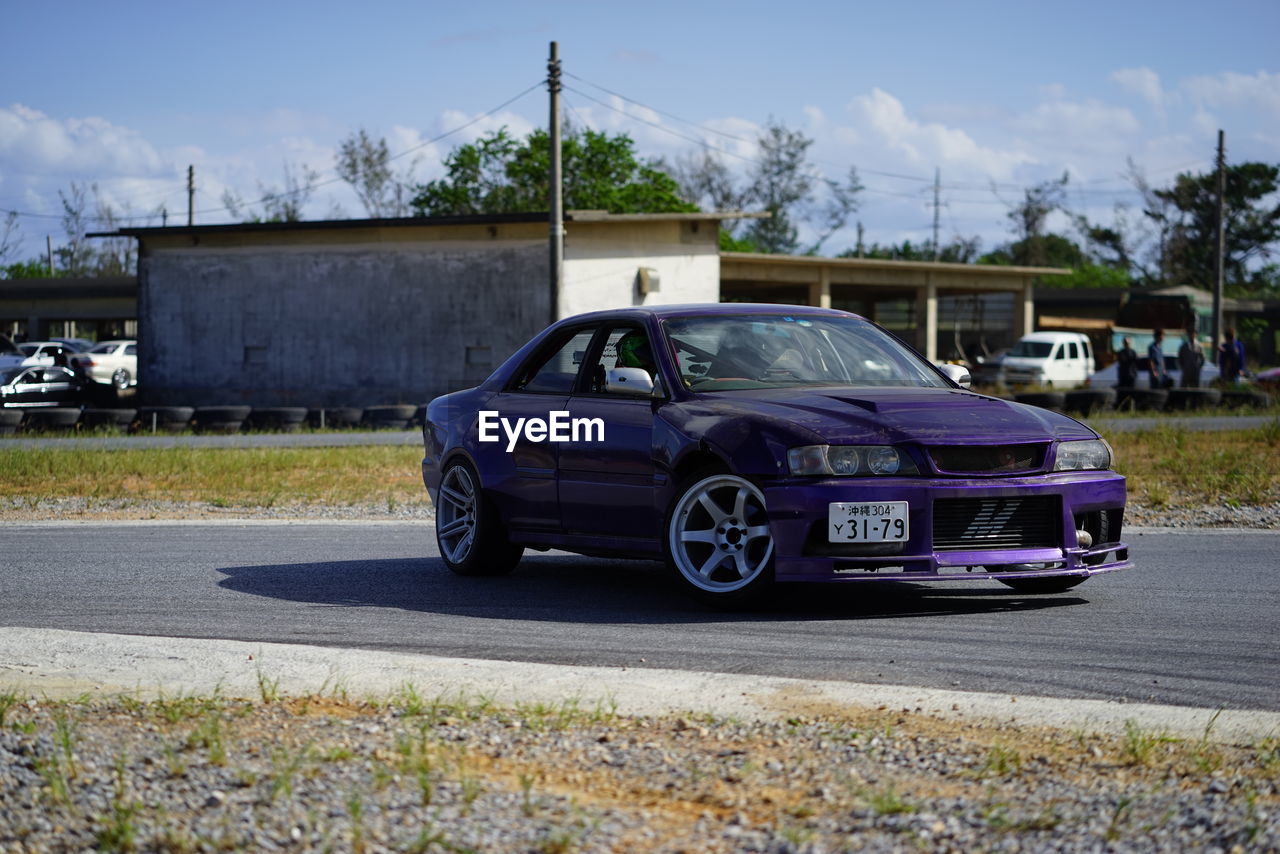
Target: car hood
[(895, 415)]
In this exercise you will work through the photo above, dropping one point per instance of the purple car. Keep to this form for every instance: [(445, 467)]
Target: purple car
[(752, 444)]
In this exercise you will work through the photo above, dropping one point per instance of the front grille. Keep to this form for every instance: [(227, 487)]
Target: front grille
[(978, 524), (988, 459)]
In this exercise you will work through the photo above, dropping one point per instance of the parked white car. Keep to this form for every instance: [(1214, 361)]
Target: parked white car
[(33, 353), (1057, 359), (114, 362)]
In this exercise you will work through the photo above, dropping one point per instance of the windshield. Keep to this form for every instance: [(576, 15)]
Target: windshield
[(1032, 349), (771, 351)]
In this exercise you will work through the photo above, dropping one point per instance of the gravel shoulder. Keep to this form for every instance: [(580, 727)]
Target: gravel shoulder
[(389, 752)]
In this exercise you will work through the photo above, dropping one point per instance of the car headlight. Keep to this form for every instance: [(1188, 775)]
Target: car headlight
[(846, 460), (1079, 456)]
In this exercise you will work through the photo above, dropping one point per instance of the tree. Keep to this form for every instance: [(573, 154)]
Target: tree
[(279, 204), (1029, 218), (8, 237), (1189, 214), (961, 250), (365, 164), (780, 181), (500, 174)]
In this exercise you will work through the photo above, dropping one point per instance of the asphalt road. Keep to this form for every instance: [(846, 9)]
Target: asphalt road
[(1192, 624)]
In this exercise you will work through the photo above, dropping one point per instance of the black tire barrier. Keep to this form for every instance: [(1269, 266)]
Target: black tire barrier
[(1043, 399), (389, 417), (281, 419), (220, 419), (9, 421), (1242, 398), (1141, 399), (1088, 401), (336, 417), (170, 419), (108, 419), (419, 416), (52, 418), (1186, 399)]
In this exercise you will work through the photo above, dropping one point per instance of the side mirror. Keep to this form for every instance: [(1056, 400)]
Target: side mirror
[(958, 374), (628, 381)]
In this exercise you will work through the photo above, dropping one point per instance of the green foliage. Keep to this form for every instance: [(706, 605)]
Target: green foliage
[(36, 268), (1089, 275), (500, 174), (729, 243), (1039, 250), (958, 251), (1190, 216)]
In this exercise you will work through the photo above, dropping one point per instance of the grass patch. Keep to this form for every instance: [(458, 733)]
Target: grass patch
[(223, 477), (1168, 467)]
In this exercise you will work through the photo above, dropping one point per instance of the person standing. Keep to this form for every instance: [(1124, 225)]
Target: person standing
[(1190, 359), (1231, 358), (1126, 365), (1155, 360)]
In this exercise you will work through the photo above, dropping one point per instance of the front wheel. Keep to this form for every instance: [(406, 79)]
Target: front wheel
[(469, 532), (718, 540)]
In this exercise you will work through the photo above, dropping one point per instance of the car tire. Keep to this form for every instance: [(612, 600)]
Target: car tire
[(53, 418), (718, 541), (469, 532), (1241, 398), (282, 419), (170, 419), (1043, 399), (1147, 399), (1089, 401), (335, 417), (1184, 399), (120, 379), (220, 419), (394, 417), (1042, 585), (109, 419), (9, 421)]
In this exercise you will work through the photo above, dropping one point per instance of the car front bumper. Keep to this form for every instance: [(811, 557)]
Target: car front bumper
[(960, 529)]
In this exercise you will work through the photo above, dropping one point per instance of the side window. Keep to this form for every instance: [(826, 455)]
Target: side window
[(131, 350), (555, 373), (1073, 350), (624, 347), (31, 378)]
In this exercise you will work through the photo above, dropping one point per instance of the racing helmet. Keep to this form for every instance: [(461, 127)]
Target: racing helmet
[(634, 351)]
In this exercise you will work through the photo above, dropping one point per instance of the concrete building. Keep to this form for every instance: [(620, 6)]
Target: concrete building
[(38, 309), (947, 311), (363, 312)]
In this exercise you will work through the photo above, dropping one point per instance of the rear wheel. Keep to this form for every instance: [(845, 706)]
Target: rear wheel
[(120, 379), (469, 532), (718, 539)]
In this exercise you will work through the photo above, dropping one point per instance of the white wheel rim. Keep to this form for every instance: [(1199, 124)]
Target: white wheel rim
[(719, 534), (456, 515)]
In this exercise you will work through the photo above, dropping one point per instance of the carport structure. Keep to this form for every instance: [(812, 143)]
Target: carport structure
[(932, 305)]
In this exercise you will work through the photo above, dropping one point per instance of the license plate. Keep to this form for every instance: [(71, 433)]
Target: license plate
[(867, 522)]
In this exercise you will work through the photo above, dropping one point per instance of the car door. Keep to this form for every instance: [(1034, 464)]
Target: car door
[(60, 387), (607, 477), (29, 389), (520, 473)]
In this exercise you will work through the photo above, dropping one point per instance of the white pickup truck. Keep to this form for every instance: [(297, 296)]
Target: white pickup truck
[(1050, 359)]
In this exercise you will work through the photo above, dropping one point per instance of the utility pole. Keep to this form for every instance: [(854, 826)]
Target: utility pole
[(555, 184), (859, 238), (191, 195), (1221, 247), (48, 249), (937, 207)]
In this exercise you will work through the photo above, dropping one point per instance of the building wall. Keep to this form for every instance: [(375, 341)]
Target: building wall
[(602, 264), (332, 324)]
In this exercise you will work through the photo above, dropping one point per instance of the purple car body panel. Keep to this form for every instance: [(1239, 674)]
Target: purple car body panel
[(612, 497)]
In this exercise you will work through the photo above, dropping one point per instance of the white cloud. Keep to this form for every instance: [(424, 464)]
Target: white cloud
[(927, 144), (31, 141), (1260, 91), (1142, 82)]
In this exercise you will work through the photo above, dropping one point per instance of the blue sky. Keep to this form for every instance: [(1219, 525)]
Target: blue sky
[(998, 96)]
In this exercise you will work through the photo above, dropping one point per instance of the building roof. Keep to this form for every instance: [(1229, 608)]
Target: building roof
[(883, 264), (593, 216)]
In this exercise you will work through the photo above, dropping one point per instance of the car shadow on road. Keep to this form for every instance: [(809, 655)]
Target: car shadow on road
[(572, 589)]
